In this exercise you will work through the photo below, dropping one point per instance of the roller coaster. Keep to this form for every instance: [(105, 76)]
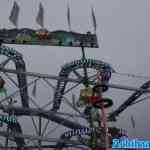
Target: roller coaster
[(84, 121), (88, 106)]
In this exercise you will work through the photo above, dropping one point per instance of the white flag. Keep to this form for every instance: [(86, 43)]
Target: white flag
[(34, 91), (132, 122), (14, 14), (40, 16), (68, 17), (94, 20)]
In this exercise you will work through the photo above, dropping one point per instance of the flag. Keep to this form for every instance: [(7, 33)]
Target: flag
[(68, 17), (94, 20), (14, 14), (132, 122), (34, 88), (40, 16)]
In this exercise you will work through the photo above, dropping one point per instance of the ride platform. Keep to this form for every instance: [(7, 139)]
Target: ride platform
[(28, 36)]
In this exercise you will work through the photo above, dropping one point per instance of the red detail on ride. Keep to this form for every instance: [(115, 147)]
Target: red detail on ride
[(94, 99), (42, 35), (2, 82)]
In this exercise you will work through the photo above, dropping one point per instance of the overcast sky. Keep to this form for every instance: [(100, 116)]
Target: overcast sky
[(123, 34)]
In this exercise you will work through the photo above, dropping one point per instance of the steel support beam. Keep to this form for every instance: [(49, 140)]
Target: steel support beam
[(50, 115), (130, 100), (33, 74)]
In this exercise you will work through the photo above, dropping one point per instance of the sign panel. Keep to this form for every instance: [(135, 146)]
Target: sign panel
[(45, 37)]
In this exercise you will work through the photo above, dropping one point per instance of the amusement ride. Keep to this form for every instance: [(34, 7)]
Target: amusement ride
[(93, 131)]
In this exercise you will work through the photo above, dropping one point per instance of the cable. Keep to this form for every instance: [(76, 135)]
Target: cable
[(142, 99), (132, 75)]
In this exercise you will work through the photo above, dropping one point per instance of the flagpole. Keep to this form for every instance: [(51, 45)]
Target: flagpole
[(68, 16), (133, 126), (134, 132)]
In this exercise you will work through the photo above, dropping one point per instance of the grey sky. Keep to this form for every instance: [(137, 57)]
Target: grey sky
[(123, 32)]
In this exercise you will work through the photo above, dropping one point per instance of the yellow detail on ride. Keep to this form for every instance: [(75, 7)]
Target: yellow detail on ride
[(84, 95)]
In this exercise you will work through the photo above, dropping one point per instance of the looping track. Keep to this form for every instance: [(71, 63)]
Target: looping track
[(17, 58), (68, 68)]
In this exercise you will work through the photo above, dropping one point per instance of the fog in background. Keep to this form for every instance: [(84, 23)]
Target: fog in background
[(124, 38)]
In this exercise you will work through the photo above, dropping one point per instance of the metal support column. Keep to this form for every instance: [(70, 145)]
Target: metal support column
[(40, 131), (104, 119), (84, 67), (6, 140)]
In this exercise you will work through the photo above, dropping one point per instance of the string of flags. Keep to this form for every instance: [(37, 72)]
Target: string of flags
[(14, 16)]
